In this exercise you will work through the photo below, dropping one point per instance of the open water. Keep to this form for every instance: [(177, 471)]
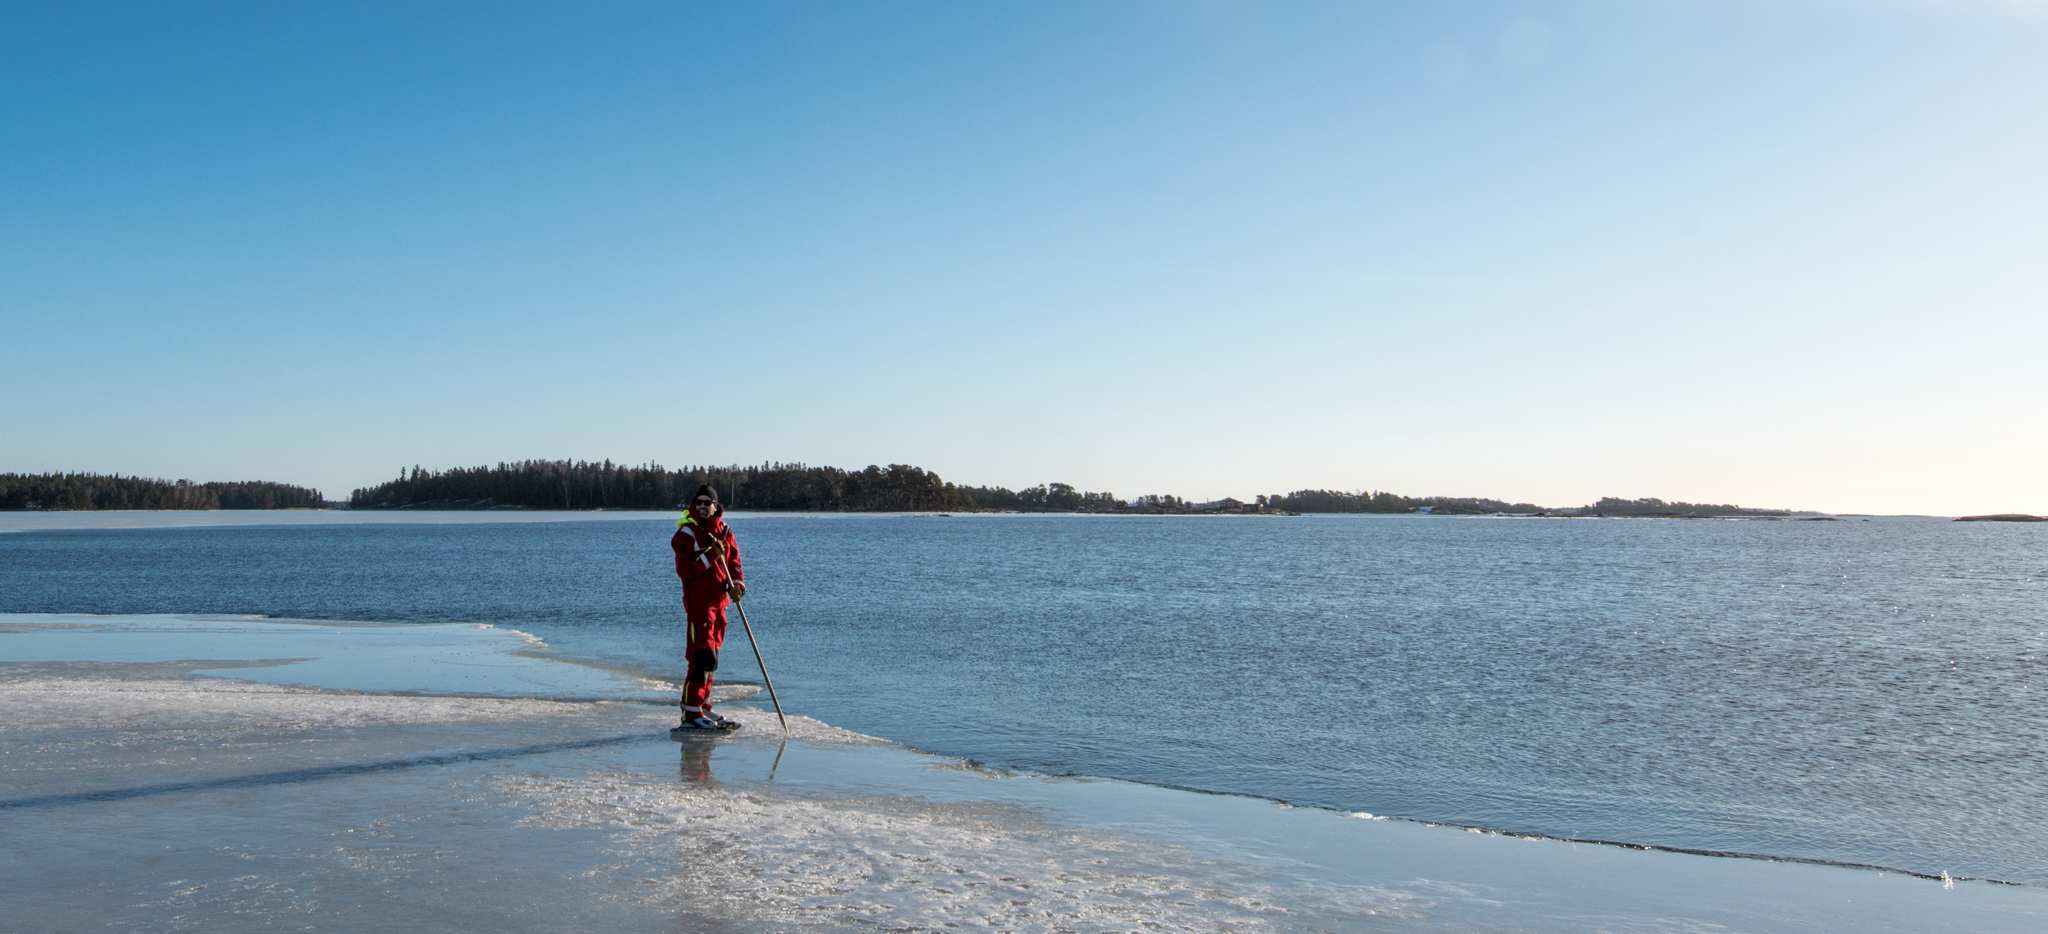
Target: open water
[(1860, 692)]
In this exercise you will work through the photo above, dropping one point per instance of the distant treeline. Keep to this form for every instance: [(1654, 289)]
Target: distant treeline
[(1609, 506), (896, 488), (93, 491), (1333, 501), (538, 484)]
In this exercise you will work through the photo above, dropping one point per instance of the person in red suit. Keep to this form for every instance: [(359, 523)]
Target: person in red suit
[(708, 561)]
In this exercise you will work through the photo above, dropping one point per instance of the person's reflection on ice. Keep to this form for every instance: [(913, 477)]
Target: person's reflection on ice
[(696, 762)]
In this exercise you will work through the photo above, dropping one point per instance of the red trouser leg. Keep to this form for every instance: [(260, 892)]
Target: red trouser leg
[(707, 636)]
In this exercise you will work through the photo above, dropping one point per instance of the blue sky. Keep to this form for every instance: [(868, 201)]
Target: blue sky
[(1779, 253)]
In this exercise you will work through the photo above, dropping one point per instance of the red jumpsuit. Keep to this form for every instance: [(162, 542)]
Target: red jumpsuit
[(705, 573)]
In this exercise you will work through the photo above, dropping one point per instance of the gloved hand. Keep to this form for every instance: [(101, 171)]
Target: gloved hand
[(738, 589)]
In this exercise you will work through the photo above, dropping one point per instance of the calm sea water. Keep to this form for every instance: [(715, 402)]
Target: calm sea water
[(1864, 692)]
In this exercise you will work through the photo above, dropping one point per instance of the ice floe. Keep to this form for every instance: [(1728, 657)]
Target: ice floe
[(231, 774)]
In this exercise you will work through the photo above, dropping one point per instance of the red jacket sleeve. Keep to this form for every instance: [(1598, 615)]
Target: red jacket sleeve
[(680, 544)]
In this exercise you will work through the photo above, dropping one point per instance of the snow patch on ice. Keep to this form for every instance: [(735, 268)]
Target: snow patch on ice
[(94, 703), (801, 729), (530, 638), (768, 860), (7, 626)]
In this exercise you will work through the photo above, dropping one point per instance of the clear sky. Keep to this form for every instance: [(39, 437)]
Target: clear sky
[(1781, 253)]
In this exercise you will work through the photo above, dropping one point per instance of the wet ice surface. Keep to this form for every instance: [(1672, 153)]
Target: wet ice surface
[(466, 658), (147, 781)]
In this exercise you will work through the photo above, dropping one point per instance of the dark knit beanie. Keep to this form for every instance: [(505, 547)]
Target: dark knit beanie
[(705, 490)]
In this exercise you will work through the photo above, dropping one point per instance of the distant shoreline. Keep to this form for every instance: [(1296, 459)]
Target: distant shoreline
[(13, 522), (559, 487)]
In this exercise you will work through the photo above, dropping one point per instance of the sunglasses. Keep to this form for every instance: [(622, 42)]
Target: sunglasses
[(702, 502)]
